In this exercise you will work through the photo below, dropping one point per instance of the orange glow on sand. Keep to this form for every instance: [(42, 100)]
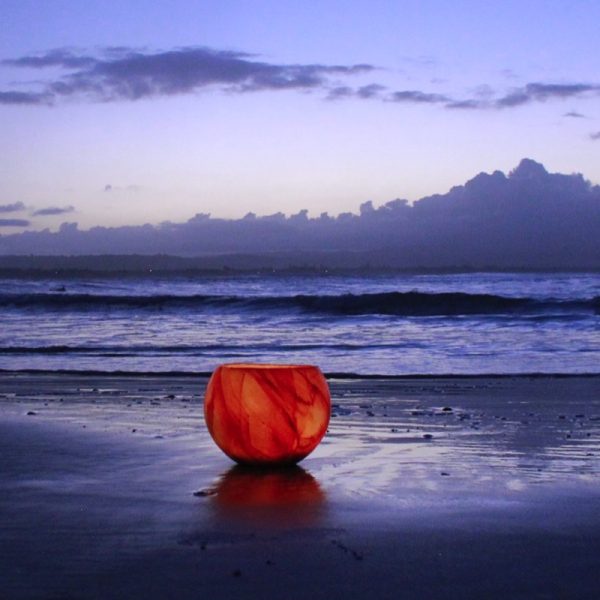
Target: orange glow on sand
[(270, 488), (267, 414)]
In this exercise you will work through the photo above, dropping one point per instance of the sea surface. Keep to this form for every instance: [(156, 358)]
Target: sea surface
[(484, 323)]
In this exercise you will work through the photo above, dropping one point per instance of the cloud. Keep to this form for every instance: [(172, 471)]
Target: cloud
[(595, 136), (574, 114), (129, 74), (483, 98), (466, 104), (365, 92), (375, 91), (372, 90), (341, 92), (529, 218), (13, 97), (418, 97), (532, 92), (53, 210), (14, 207), (59, 57), (540, 92), (515, 98), (122, 73), (14, 223)]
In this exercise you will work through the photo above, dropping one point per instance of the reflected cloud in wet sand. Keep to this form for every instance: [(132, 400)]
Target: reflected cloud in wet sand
[(281, 497)]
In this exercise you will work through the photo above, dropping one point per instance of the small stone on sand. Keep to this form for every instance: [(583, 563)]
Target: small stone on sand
[(204, 493)]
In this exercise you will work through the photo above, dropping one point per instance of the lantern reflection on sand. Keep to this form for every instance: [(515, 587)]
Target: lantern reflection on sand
[(267, 414), (287, 496)]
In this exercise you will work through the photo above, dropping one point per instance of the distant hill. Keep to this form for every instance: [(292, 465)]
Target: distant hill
[(529, 220)]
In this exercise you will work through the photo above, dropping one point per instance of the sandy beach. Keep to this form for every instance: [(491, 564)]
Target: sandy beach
[(458, 487)]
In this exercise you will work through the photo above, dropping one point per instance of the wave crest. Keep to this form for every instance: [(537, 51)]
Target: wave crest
[(385, 303)]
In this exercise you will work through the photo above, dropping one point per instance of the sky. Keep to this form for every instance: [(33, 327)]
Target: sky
[(136, 112)]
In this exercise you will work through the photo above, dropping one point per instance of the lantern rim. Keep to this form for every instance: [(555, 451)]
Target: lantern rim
[(260, 366)]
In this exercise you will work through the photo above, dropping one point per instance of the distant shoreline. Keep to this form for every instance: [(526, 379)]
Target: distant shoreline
[(328, 375), (233, 265)]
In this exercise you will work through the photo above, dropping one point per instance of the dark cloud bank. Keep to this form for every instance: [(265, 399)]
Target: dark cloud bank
[(51, 211), (14, 223), (127, 74), (530, 219), (130, 74), (10, 208)]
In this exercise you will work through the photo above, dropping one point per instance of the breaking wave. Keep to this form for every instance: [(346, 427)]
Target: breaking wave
[(386, 303)]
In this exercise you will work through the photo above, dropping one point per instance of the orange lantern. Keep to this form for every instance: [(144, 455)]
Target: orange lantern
[(267, 414)]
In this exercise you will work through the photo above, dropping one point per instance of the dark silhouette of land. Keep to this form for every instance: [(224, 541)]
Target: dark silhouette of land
[(527, 220)]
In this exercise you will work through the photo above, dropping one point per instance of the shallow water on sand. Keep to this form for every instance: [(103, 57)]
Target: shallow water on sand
[(439, 488), (405, 443)]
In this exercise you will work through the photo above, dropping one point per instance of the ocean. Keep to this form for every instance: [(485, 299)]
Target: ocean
[(389, 324)]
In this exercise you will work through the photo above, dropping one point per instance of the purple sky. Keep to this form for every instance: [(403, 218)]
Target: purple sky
[(135, 112)]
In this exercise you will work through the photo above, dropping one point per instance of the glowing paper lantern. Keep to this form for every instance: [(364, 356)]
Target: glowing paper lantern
[(267, 414)]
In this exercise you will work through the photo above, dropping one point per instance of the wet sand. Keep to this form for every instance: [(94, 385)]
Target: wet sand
[(422, 488)]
